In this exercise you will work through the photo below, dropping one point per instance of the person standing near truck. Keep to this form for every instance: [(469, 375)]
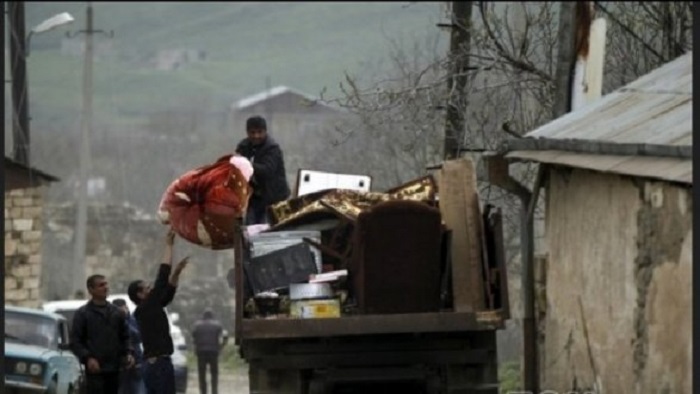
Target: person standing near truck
[(100, 339), (131, 379), (269, 180), (150, 314), (207, 334)]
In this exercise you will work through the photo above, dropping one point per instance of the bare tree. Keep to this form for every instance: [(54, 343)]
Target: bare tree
[(396, 127), (510, 85), (642, 36)]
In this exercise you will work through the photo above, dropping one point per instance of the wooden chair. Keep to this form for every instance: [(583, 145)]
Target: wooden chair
[(395, 265)]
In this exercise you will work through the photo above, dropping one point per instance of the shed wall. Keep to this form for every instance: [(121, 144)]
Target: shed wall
[(617, 304)]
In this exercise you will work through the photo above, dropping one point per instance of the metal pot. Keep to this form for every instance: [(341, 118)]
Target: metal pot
[(309, 291)]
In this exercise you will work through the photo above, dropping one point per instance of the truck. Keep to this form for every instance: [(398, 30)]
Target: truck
[(449, 348)]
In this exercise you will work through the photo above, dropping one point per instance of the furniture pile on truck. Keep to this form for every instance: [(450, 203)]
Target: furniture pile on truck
[(349, 289)]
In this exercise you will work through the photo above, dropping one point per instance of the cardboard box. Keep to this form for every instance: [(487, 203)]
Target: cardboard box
[(315, 309)]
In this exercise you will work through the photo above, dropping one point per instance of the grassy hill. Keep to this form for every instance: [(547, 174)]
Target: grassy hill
[(137, 145), (304, 45)]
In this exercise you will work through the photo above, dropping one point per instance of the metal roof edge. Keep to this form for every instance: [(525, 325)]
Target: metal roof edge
[(668, 169), (9, 163), (599, 147)]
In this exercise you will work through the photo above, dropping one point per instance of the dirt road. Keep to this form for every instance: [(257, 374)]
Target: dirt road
[(230, 381)]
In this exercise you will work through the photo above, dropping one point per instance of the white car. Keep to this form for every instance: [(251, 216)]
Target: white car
[(67, 308)]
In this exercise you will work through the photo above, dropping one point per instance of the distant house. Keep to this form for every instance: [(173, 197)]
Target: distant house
[(174, 59), (615, 311), (75, 46), (298, 121), (24, 204)]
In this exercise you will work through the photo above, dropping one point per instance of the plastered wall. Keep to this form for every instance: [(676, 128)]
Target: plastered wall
[(616, 310)]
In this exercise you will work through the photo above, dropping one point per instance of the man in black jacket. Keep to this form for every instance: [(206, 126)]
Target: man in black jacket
[(207, 334), (100, 339), (150, 314), (269, 180)]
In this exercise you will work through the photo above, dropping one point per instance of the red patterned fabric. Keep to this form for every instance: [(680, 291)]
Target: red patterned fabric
[(202, 204)]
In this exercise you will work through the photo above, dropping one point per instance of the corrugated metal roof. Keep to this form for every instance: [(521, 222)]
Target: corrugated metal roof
[(655, 109), (662, 168)]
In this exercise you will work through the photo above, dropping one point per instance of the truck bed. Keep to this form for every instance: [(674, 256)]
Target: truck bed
[(282, 327)]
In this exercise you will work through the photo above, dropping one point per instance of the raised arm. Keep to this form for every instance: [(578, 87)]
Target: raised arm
[(168, 252), (175, 276), (169, 291), (161, 288)]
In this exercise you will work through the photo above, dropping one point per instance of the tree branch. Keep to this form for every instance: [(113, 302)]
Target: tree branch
[(629, 31), (517, 63)]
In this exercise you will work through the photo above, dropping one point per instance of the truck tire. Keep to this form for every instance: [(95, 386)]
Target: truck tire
[(274, 381), (472, 379)]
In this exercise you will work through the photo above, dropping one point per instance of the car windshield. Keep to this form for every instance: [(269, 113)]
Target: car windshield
[(68, 314), (31, 329)]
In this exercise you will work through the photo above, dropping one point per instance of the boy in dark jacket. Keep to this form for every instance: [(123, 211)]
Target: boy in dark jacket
[(269, 180), (100, 339)]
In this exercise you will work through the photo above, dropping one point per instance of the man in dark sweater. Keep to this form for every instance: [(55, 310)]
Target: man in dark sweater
[(100, 339), (269, 180), (150, 314), (207, 334)]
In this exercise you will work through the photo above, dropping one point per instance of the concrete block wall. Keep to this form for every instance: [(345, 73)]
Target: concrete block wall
[(23, 260)]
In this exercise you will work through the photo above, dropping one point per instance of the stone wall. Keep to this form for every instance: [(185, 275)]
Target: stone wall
[(123, 243), (616, 305), (23, 233)]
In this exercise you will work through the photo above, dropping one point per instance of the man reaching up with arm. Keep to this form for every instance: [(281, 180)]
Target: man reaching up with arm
[(150, 314)]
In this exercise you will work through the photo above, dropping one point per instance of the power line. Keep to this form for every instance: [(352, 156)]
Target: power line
[(629, 31)]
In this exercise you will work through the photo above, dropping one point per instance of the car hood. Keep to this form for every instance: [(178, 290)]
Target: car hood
[(20, 350)]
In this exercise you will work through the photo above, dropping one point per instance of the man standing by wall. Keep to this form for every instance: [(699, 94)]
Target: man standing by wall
[(100, 339), (207, 334), (159, 373), (269, 179)]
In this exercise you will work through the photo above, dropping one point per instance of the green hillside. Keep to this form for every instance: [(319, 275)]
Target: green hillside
[(304, 45)]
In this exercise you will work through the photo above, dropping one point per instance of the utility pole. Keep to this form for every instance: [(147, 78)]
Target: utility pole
[(460, 42), (20, 93), (563, 79), (566, 59), (79, 269)]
